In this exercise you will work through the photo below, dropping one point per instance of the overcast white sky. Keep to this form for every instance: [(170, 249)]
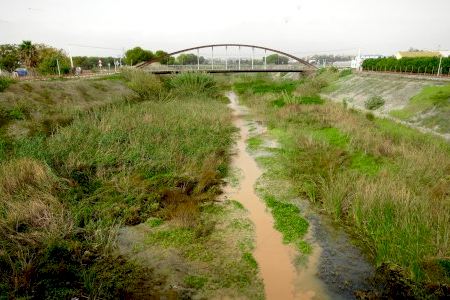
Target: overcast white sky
[(297, 26)]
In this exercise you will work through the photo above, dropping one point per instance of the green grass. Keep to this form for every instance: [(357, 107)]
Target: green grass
[(196, 282), (249, 259), (154, 222), (287, 219), (172, 238), (332, 136), (364, 163), (434, 100), (254, 142), (263, 86), (122, 159), (5, 82)]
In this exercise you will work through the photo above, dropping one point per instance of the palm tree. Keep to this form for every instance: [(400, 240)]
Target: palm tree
[(28, 53)]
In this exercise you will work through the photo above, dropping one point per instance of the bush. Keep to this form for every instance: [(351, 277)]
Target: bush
[(146, 86), (345, 72), (194, 84), (374, 102), (5, 82)]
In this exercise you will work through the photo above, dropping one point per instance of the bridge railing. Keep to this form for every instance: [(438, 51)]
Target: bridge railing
[(222, 66)]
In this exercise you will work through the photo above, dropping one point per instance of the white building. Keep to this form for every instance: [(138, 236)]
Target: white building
[(445, 53), (356, 63)]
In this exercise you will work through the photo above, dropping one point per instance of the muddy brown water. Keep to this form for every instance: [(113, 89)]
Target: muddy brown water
[(275, 259)]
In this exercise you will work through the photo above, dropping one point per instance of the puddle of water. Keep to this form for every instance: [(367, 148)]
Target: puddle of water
[(274, 258)]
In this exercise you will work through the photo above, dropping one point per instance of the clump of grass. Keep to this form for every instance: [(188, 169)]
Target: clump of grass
[(287, 219), (196, 282), (254, 142), (345, 72), (374, 102), (291, 99), (263, 85), (248, 258), (5, 82), (194, 85), (146, 86)]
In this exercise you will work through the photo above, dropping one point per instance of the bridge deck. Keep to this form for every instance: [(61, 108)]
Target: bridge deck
[(228, 71)]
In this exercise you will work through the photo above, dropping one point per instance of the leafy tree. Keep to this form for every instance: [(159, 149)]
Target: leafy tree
[(91, 62), (277, 59), (48, 59), (9, 57), (428, 65), (189, 59), (137, 55), (28, 53), (165, 59)]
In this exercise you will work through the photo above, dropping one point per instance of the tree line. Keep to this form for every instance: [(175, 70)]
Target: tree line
[(427, 65), (45, 60)]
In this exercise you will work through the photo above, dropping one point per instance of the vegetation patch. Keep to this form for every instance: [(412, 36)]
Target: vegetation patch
[(262, 86), (364, 163), (374, 103), (331, 135), (106, 157), (5, 82), (431, 108), (254, 142), (287, 219), (399, 203)]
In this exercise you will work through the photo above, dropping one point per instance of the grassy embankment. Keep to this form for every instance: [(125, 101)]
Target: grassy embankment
[(422, 102), (389, 184), (80, 159), (430, 108)]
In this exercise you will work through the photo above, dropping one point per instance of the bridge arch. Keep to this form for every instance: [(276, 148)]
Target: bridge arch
[(301, 61)]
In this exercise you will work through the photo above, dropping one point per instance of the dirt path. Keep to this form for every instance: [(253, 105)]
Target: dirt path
[(274, 258)]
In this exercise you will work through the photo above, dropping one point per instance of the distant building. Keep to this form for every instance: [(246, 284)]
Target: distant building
[(403, 54), (356, 63), (445, 53), (342, 64)]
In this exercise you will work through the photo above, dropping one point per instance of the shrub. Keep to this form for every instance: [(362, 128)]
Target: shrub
[(370, 116), (374, 102), (5, 82), (146, 86), (345, 72), (193, 84)]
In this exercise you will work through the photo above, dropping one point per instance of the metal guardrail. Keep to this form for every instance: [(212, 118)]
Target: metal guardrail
[(224, 67)]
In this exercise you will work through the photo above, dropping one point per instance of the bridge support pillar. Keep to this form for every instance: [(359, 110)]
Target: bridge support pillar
[(226, 57), (239, 55), (265, 59), (212, 58), (198, 59), (253, 55)]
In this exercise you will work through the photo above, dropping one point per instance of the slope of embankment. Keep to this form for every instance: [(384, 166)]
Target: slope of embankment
[(420, 102)]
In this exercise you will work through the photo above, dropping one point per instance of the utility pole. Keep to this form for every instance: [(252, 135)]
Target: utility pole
[(439, 68), (57, 64)]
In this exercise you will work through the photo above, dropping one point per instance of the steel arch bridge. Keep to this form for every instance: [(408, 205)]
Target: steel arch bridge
[(299, 65)]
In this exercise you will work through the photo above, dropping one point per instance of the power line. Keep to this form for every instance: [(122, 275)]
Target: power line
[(94, 47)]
